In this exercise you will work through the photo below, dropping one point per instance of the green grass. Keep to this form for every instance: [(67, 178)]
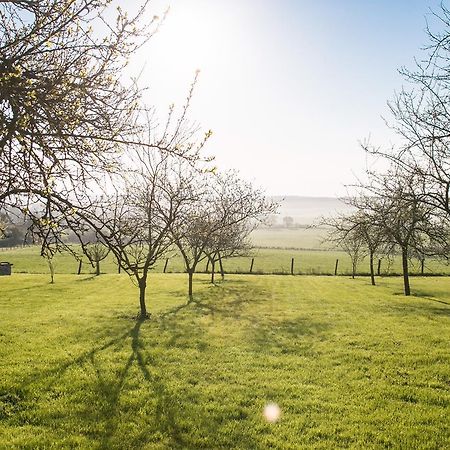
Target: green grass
[(267, 260), (350, 365), (299, 238)]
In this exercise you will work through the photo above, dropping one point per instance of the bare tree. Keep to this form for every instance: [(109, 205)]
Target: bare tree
[(67, 112), (347, 235), (398, 211), (192, 236), (365, 224), (223, 203), (135, 223), (421, 117), (64, 108), (228, 242), (96, 252)]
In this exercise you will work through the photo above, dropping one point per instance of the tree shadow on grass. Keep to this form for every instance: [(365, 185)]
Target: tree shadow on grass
[(219, 299), (176, 415), (295, 336), (51, 376), (236, 302), (24, 288), (429, 307), (87, 278), (427, 296), (166, 322), (112, 391), (102, 400)]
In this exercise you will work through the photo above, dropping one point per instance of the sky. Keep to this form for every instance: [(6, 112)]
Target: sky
[(289, 87)]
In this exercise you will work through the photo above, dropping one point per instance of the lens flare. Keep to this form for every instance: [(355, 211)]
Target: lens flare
[(272, 412)]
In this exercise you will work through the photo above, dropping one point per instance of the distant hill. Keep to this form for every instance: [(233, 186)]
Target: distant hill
[(307, 210)]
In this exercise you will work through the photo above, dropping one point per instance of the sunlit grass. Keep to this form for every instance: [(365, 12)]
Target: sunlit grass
[(266, 261), (350, 365)]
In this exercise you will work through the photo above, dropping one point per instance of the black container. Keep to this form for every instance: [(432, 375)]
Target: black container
[(5, 268)]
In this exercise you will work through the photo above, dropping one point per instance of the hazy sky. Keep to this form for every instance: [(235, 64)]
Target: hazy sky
[(288, 87)]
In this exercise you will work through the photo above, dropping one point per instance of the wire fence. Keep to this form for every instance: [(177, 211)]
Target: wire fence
[(267, 261)]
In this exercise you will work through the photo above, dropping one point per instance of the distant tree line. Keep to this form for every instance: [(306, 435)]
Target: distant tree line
[(405, 210)]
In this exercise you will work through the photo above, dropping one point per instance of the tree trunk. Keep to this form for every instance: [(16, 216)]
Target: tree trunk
[(353, 269), (405, 271), (372, 272), (52, 270), (97, 268), (191, 276), (213, 263), (142, 287), (222, 273)]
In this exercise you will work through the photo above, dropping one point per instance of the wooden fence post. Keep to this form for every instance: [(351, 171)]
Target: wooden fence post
[(292, 266), (336, 267), (251, 265)]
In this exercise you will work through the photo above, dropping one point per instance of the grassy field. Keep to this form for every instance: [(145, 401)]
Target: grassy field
[(299, 238), (350, 365), (267, 261)]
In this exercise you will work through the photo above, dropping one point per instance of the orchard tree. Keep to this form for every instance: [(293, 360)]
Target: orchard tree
[(224, 204), (135, 222), (414, 209), (421, 117), (68, 115), (95, 252), (66, 110), (398, 211), (365, 224), (348, 236), (64, 107), (232, 236), (228, 242)]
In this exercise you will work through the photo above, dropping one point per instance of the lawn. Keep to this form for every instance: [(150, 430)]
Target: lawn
[(266, 261), (350, 365), (299, 238)]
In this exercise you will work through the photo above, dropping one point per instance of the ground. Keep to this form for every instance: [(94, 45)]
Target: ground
[(273, 252), (350, 365)]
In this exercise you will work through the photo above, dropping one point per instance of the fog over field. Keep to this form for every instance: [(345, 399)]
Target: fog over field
[(308, 210)]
